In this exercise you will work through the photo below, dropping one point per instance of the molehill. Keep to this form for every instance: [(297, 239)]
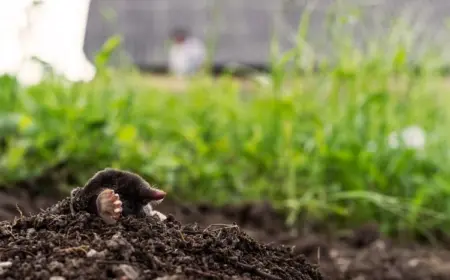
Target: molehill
[(81, 246)]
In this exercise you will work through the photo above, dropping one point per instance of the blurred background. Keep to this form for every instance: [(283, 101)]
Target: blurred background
[(344, 114), (242, 32)]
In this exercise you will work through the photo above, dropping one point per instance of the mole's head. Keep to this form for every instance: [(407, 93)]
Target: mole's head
[(133, 190)]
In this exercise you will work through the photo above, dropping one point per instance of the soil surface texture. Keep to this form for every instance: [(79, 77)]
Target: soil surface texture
[(357, 254), (47, 246)]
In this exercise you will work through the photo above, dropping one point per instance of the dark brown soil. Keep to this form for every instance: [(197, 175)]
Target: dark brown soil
[(83, 247), (361, 254)]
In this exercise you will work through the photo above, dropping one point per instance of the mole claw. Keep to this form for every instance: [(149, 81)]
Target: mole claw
[(109, 206)]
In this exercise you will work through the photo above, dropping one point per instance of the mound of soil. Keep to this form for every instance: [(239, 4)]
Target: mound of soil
[(46, 246), (356, 254)]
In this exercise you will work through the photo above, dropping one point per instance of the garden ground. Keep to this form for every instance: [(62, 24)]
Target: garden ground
[(357, 254)]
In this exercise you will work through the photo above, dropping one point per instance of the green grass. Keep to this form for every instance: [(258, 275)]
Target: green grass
[(301, 142)]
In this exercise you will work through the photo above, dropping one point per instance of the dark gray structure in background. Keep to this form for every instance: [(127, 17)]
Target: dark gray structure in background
[(240, 31)]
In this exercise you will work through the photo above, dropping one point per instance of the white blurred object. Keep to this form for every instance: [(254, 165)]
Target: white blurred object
[(263, 80), (57, 37), (413, 137), (187, 54), (12, 21), (50, 30), (30, 72)]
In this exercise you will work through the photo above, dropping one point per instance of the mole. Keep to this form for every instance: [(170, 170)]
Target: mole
[(112, 193)]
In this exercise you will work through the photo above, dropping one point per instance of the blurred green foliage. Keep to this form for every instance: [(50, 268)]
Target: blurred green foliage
[(302, 142)]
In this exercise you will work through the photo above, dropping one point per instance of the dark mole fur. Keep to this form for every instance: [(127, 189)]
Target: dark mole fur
[(130, 187)]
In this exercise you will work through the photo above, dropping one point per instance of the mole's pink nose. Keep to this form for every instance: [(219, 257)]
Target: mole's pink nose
[(158, 194), (152, 194)]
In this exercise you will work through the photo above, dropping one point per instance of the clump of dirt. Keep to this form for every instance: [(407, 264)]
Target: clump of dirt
[(83, 247)]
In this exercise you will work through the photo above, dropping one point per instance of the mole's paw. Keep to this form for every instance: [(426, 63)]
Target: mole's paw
[(109, 206)]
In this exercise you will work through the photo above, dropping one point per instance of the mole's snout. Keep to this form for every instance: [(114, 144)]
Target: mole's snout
[(151, 194)]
